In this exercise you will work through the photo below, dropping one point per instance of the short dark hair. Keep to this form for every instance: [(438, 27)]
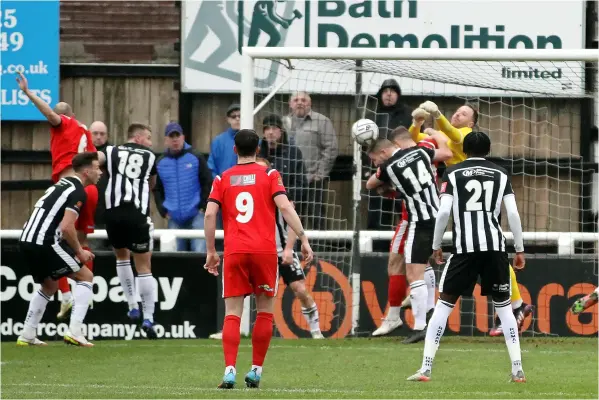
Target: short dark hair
[(83, 160), (474, 112), (136, 127), (401, 132), (379, 144), (477, 144), (246, 142)]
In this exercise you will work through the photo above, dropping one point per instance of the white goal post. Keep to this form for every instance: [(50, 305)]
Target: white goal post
[(489, 71)]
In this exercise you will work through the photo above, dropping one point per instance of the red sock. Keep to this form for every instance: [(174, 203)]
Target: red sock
[(261, 337), (397, 290), (231, 339), (90, 263), (63, 285)]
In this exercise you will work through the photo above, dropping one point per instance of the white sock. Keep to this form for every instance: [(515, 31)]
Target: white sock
[(125, 274), (229, 369), (429, 278), (148, 294), (517, 304), (393, 313), (258, 369), (311, 316), (510, 333), (434, 332), (83, 294), (419, 294), (37, 307), (67, 297)]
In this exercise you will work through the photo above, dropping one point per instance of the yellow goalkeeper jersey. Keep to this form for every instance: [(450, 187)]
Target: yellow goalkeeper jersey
[(456, 139)]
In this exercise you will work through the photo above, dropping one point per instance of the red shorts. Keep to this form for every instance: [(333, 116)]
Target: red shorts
[(244, 274), (401, 232), (85, 222)]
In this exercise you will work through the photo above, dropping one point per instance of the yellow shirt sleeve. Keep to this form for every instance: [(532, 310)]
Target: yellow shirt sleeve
[(416, 134), (454, 134)]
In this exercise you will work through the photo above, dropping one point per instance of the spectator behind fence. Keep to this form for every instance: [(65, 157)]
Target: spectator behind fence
[(314, 135), (222, 157), (99, 133), (284, 157), (390, 114), (182, 187)]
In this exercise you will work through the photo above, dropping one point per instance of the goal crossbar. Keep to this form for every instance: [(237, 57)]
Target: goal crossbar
[(422, 54)]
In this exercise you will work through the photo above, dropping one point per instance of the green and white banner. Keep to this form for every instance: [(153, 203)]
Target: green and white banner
[(213, 33)]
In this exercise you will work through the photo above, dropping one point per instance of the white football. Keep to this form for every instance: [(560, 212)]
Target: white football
[(365, 131)]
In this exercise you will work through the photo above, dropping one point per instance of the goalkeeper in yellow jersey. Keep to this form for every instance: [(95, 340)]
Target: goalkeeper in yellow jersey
[(462, 122)]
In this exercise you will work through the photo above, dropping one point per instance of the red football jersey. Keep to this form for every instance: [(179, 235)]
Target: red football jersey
[(245, 194), (66, 140), (430, 143)]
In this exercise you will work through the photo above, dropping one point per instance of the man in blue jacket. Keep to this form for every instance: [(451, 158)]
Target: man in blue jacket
[(182, 187), (222, 157)]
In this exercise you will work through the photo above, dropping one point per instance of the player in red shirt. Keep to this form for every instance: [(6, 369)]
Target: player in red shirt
[(396, 269), (68, 137), (247, 195)]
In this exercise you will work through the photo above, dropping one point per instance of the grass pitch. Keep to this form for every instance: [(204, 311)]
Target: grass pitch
[(350, 368)]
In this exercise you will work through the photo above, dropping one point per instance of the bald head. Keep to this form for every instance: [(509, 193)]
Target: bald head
[(99, 133), (63, 108), (300, 104)]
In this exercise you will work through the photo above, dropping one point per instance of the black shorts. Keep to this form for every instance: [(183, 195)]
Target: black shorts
[(461, 273), (291, 273), (419, 242), (128, 228), (49, 261)]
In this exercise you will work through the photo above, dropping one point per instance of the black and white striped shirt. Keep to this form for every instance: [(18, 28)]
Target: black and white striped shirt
[(129, 169), (477, 187), (281, 234), (411, 172), (43, 226)]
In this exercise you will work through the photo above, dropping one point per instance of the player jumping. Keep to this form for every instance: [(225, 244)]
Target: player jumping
[(291, 270), (408, 168), (462, 122), (68, 137), (396, 268), (50, 249), (474, 190), (131, 177), (248, 195)]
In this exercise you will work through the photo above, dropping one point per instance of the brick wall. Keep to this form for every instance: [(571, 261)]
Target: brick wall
[(119, 31)]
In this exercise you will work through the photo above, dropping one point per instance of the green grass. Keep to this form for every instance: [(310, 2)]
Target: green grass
[(351, 368)]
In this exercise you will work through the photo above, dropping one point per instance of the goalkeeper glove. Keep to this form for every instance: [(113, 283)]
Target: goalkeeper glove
[(420, 114), (432, 108)]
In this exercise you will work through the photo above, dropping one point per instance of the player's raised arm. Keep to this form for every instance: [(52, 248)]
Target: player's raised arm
[(52, 117), (444, 125), (418, 117)]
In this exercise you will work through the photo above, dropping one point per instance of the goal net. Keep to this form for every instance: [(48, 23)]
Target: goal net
[(539, 112)]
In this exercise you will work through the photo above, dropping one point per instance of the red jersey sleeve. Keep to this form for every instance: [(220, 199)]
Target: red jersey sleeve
[(216, 195), (276, 183), (65, 122)]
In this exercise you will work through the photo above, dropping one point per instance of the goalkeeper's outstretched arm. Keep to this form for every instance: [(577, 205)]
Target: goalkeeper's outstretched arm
[(454, 134)]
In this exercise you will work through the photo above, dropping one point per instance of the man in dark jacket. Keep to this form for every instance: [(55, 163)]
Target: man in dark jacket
[(182, 187), (284, 157), (390, 113)]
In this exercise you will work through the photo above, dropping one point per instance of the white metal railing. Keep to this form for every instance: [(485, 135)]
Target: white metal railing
[(565, 240)]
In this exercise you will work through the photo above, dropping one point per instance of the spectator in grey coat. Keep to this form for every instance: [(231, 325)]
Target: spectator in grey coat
[(314, 135)]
